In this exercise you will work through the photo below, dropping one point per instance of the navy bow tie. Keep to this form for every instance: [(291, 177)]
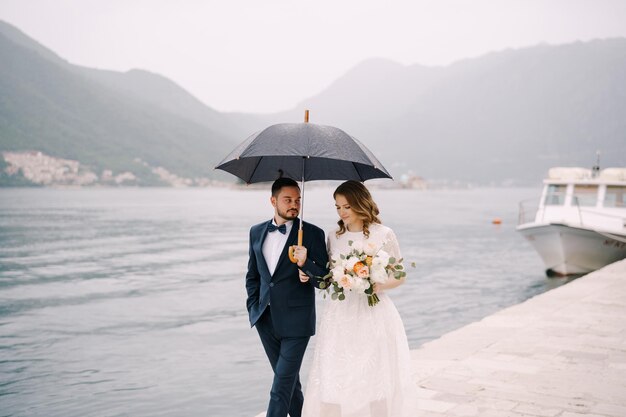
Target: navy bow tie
[(282, 228)]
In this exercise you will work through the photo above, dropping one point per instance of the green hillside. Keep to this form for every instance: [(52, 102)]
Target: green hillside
[(49, 106)]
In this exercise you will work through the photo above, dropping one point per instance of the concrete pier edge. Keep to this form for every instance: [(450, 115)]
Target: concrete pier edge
[(559, 354)]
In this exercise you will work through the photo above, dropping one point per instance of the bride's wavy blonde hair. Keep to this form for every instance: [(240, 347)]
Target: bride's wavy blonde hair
[(361, 203)]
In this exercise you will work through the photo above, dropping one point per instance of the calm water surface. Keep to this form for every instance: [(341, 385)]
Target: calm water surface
[(131, 302)]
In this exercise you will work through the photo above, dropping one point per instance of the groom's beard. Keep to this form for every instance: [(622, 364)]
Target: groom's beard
[(289, 214)]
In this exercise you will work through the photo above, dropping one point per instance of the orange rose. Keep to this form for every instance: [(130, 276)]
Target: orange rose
[(361, 270)]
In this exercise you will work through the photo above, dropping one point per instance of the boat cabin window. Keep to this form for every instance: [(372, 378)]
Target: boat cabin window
[(555, 195), (585, 195), (615, 196)]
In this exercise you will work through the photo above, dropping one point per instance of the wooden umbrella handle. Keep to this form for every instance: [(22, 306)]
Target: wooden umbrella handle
[(291, 257)]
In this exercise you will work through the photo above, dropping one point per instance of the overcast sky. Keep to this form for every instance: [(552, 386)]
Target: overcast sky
[(267, 55)]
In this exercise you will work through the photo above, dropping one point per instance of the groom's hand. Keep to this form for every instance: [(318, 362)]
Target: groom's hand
[(300, 253)]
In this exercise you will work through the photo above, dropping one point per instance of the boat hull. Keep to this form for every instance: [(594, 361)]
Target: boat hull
[(568, 250)]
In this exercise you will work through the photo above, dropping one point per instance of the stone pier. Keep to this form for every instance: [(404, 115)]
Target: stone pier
[(559, 354)]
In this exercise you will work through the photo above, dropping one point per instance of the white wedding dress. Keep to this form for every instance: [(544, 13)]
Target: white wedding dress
[(361, 365)]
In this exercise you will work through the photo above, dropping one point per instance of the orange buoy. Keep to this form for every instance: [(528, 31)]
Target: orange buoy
[(497, 220)]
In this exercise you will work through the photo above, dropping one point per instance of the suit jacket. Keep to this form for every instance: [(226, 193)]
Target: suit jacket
[(291, 301)]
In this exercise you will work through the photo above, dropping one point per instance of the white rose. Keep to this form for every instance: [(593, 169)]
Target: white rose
[(370, 248), (381, 259), (350, 262), (361, 285), (378, 274), (356, 284), (337, 272)]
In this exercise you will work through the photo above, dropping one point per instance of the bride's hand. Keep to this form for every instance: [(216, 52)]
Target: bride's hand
[(378, 288), (303, 277)]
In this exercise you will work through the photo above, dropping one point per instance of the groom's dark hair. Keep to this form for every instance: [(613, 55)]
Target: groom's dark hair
[(283, 182)]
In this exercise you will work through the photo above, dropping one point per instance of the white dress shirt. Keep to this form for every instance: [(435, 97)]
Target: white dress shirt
[(273, 246)]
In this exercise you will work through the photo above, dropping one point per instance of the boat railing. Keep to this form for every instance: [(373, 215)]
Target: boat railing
[(576, 202), (527, 210)]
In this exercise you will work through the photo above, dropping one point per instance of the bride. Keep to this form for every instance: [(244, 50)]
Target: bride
[(361, 365)]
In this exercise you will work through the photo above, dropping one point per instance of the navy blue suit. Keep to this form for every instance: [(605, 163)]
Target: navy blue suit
[(283, 310)]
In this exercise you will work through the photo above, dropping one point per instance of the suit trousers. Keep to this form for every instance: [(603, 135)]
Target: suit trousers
[(285, 355)]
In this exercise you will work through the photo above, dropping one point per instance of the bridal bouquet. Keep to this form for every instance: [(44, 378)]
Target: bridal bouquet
[(361, 268)]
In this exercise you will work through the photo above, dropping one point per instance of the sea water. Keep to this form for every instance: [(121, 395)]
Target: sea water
[(131, 302)]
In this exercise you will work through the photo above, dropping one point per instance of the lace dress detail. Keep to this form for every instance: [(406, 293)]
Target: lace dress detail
[(361, 365)]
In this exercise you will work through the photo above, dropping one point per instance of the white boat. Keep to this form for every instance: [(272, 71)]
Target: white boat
[(579, 224)]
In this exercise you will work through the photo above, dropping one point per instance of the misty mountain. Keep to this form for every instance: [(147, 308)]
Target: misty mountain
[(160, 92), (503, 117), (133, 121), (374, 92)]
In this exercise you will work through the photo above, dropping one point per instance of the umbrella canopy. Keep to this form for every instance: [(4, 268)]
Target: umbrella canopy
[(303, 152)]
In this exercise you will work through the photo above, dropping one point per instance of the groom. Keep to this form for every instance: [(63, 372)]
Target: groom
[(280, 304)]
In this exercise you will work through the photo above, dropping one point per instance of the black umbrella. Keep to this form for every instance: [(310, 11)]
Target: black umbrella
[(303, 152)]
